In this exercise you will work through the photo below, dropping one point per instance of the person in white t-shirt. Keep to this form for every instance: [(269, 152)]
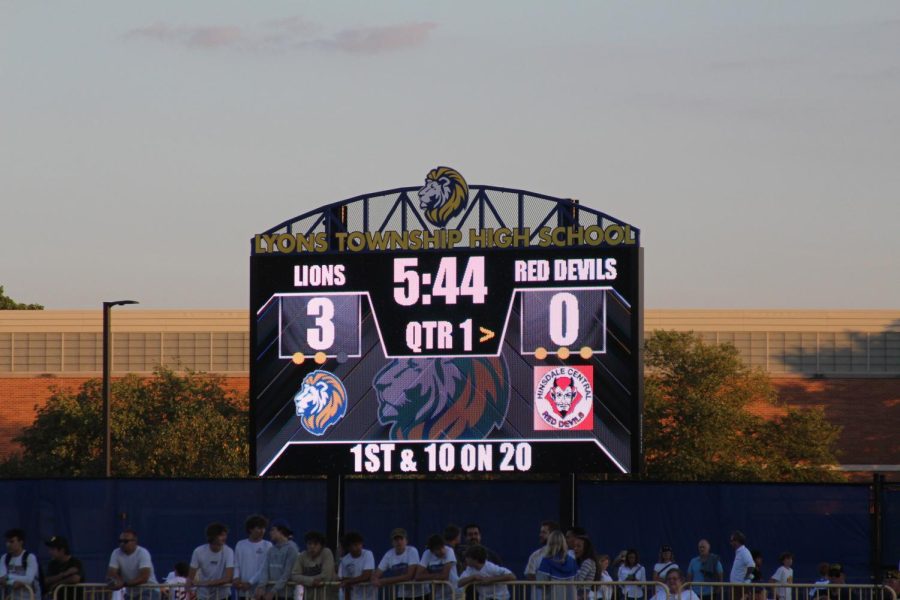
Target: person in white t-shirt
[(606, 591), (784, 574), (398, 564), (547, 527), (742, 569), (666, 563), (674, 580), (355, 569), (632, 571), (438, 565), (18, 569), (487, 577), (250, 554), (212, 565), (130, 566)]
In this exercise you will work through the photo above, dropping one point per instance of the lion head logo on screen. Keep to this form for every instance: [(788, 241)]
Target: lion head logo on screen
[(321, 402), (444, 195), (443, 399)]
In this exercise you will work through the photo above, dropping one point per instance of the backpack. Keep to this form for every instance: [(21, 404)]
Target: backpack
[(39, 580)]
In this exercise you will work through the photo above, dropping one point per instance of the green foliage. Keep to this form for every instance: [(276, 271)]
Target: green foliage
[(167, 425), (698, 422), (7, 303)]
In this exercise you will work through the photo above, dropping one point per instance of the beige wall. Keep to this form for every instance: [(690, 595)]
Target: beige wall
[(785, 342)]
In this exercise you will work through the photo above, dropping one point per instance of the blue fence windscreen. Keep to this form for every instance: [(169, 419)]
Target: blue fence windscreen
[(817, 523)]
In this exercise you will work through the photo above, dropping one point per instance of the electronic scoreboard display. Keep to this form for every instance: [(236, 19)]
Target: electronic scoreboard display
[(446, 329)]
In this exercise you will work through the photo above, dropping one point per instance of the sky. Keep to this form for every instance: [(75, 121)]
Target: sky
[(755, 144)]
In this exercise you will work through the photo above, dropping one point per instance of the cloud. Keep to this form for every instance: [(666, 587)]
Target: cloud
[(372, 40), (195, 37), (289, 33)]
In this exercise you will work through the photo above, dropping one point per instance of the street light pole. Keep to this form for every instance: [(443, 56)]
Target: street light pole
[(107, 369)]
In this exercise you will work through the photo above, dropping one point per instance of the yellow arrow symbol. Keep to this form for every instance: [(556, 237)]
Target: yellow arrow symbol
[(488, 334)]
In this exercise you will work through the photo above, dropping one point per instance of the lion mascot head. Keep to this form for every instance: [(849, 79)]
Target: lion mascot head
[(321, 402), (444, 195), (443, 399)]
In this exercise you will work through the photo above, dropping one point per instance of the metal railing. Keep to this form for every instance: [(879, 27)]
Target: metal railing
[(508, 590), (786, 591), (8, 592)]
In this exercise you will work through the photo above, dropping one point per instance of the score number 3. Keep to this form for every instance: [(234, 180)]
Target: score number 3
[(320, 337)]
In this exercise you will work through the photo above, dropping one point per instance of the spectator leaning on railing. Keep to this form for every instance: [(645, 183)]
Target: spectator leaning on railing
[(399, 564), (438, 564), (130, 566), (63, 567), (356, 567), (212, 565), (19, 568), (487, 577), (315, 566), (250, 554), (279, 562)]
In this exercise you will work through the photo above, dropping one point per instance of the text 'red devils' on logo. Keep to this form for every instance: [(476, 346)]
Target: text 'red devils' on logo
[(564, 398)]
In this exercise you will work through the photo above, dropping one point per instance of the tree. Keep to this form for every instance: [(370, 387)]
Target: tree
[(168, 425), (7, 303), (698, 422)]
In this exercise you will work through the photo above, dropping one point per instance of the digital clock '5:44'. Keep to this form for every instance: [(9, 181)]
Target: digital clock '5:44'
[(443, 284)]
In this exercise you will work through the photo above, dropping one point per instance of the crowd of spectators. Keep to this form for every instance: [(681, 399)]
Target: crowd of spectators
[(266, 569)]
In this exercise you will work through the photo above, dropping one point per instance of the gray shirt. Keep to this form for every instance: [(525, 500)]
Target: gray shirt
[(277, 567), (129, 565)]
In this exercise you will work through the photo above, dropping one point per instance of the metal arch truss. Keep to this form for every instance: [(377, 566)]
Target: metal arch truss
[(487, 204)]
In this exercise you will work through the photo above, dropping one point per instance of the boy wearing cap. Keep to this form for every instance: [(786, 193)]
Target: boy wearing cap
[(398, 565), (273, 576), (355, 568), (64, 569)]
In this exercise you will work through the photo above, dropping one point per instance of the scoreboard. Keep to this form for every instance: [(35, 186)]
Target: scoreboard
[(422, 343)]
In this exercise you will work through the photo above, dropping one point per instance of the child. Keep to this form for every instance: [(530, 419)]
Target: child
[(177, 580), (784, 574)]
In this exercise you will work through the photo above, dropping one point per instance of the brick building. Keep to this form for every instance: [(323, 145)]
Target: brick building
[(847, 361)]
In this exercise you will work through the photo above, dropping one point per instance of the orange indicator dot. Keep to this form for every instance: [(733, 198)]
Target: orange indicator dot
[(320, 358), (563, 353), (540, 353), (586, 352), (298, 358)]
